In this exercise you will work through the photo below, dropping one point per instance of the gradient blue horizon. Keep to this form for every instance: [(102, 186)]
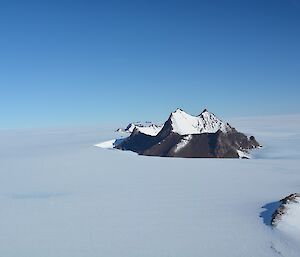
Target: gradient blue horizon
[(98, 62)]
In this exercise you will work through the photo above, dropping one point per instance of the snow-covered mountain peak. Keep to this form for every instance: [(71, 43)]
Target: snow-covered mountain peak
[(180, 114), (188, 136), (205, 112), (212, 122), (151, 130), (147, 128), (206, 122)]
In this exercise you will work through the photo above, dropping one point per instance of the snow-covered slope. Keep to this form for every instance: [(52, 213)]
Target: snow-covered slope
[(287, 216), (110, 144), (130, 127), (107, 144), (243, 154), (151, 130), (185, 124), (147, 128)]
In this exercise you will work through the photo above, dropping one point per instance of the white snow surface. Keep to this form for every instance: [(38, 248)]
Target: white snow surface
[(151, 130), (243, 154), (110, 144), (184, 123), (146, 128), (61, 196), (107, 144)]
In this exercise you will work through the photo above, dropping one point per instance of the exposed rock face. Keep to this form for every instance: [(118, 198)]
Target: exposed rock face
[(183, 135), (282, 209)]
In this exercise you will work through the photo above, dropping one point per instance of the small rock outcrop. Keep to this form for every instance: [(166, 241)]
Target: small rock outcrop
[(283, 207)]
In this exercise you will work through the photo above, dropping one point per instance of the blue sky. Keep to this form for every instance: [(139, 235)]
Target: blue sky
[(99, 62)]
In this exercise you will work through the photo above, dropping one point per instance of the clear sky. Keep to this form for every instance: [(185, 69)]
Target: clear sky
[(83, 62)]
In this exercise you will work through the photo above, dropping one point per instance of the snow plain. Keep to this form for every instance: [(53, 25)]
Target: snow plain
[(60, 196)]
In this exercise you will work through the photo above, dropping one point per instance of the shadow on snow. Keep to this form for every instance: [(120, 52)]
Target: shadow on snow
[(267, 214)]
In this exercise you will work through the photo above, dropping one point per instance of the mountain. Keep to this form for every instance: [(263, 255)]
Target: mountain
[(184, 135), (147, 128)]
